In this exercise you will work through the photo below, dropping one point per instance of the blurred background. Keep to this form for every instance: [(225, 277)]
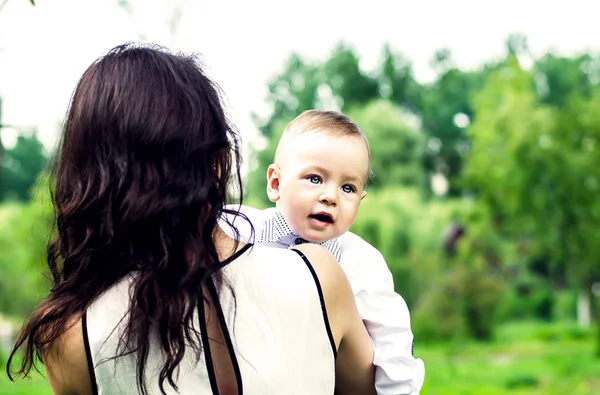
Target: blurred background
[(483, 119)]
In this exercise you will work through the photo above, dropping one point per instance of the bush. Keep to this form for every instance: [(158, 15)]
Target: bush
[(408, 231), (24, 229), (565, 305), (438, 315), (482, 293), (463, 304), (529, 297)]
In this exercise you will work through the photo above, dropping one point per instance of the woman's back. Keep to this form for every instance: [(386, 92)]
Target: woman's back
[(277, 337)]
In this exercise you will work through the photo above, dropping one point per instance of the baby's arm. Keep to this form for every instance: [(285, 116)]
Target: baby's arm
[(387, 319)]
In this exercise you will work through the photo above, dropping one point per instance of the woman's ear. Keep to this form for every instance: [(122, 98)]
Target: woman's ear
[(273, 177)]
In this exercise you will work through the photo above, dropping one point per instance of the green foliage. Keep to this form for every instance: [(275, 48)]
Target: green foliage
[(339, 82), (482, 292), (396, 81), (21, 166), (463, 304), (255, 188), (409, 234), (396, 148), (537, 168), (439, 314), (346, 79), (292, 92), (449, 295), (443, 100), (558, 79), (24, 231)]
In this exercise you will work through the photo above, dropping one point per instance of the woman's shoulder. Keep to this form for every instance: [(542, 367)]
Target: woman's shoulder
[(314, 264), (323, 263), (329, 274), (65, 361)]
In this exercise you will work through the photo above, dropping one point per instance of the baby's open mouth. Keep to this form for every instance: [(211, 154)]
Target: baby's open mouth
[(323, 217)]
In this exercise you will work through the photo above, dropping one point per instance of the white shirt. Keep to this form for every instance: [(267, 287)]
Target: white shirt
[(384, 312), (277, 332)]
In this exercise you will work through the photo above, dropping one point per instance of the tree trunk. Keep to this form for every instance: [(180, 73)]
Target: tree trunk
[(584, 316)]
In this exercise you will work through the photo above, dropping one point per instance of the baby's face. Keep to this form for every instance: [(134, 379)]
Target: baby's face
[(321, 182)]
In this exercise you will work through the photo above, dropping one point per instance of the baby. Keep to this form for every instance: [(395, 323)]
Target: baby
[(317, 182)]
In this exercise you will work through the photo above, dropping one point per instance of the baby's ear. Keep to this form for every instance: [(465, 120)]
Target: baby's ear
[(364, 193), (273, 183)]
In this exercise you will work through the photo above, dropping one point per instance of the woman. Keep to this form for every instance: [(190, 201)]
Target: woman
[(149, 295)]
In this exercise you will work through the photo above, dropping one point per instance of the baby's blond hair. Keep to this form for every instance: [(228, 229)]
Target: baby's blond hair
[(322, 121)]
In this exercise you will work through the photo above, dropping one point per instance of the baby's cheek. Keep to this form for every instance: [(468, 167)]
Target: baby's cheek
[(294, 223), (351, 215), (291, 214)]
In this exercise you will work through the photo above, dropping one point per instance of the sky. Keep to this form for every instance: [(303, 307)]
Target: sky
[(45, 49)]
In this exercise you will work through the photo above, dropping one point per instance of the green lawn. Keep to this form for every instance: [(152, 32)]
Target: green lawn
[(524, 359), (31, 386)]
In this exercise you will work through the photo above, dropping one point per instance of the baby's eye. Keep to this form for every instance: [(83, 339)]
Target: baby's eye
[(348, 188), (314, 179)]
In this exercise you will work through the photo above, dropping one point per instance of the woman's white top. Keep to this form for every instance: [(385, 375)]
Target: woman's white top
[(277, 332)]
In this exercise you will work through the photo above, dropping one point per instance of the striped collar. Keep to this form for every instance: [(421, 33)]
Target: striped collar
[(276, 230)]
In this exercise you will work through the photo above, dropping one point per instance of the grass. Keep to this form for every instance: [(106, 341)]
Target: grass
[(35, 385), (524, 359)]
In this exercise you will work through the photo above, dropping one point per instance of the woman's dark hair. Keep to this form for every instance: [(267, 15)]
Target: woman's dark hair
[(138, 183)]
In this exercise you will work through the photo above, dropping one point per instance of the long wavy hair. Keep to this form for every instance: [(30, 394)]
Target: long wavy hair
[(138, 183)]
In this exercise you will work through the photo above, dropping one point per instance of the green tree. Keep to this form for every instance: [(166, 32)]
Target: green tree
[(396, 148), (21, 167), (396, 81), (446, 110), (558, 78), (291, 92), (339, 82), (24, 230), (538, 169), (347, 81)]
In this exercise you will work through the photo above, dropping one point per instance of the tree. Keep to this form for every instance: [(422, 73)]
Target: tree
[(446, 110), (537, 168), (25, 229), (295, 90), (396, 148), (21, 167), (558, 78), (397, 83), (346, 79), (444, 106)]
